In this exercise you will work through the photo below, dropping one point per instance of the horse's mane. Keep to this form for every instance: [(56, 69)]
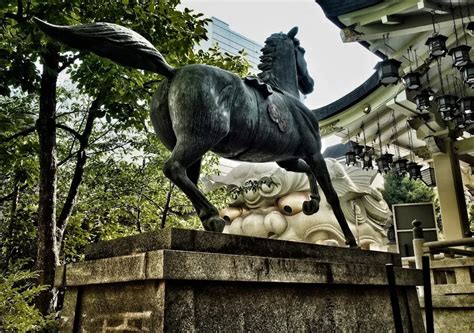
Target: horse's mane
[(267, 58)]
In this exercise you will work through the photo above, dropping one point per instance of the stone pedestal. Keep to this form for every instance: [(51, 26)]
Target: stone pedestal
[(194, 281)]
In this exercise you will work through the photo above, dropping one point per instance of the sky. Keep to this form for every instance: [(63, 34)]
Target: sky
[(337, 68)]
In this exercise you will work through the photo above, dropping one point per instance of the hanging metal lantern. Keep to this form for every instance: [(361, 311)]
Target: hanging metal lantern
[(351, 158), (367, 161), (460, 55), (400, 166), (388, 71), (466, 105), (468, 74), (447, 106), (469, 118), (458, 121), (437, 45), (447, 115), (414, 170), (428, 177), (383, 162), (422, 100), (412, 80), (358, 149), (389, 158)]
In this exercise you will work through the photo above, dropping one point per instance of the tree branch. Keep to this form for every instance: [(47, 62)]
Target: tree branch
[(121, 145), (76, 181), (152, 201), (11, 195), (19, 14), (72, 131), (167, 205), (24, 132), (59, 115), (67, 158), (12, 16)]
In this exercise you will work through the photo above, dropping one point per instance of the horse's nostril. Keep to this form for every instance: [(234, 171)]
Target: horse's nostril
[(288, 209)]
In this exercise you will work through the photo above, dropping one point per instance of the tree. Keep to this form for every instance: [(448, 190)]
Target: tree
[(18, 177), (118, 95), (399, 190)]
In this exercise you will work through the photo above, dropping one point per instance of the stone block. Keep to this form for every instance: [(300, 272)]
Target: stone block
[(211, 242), (191, 281)]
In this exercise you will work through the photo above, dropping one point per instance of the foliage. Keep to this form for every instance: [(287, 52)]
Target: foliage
[(122, 189), (235, 63), (124, 195), (18, 178), (399, 190), (17, 314)]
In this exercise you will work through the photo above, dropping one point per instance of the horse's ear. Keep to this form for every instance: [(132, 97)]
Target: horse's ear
[(292, 33)]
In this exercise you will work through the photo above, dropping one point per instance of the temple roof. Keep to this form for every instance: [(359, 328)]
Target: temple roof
[(336, 151), (332, 9), (349, 99), (387, 117)]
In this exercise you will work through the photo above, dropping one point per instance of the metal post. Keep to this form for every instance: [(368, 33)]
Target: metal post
[(392, 287), (418, 241), (427, 292)]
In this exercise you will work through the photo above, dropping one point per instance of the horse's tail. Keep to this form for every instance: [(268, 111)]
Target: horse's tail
[(112, 41)]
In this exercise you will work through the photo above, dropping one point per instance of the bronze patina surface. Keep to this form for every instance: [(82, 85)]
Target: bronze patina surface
[(200, 108)]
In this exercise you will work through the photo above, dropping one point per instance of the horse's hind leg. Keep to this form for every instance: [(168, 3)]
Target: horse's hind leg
[(194, 170), (298, 165), (187, 159), (320, 170)]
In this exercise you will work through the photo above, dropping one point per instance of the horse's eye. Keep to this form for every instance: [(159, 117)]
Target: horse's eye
[(302, 49)]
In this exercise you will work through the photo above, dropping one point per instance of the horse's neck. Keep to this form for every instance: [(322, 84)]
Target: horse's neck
[(283, 74)]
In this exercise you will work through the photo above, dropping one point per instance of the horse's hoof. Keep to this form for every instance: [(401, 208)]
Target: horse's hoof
[(352, 244), (214, 223), (310, 206)]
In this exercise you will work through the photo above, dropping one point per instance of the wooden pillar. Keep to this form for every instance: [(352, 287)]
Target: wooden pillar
[(450, 193)]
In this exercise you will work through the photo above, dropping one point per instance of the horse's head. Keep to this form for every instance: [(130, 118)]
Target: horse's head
[(280, 52), (305, 81)]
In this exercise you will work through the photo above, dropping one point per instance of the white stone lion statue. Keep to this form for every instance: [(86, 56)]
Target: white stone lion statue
[(267, 202)]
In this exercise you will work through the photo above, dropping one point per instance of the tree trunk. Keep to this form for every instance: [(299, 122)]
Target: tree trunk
[(78, 176), (47, 257)]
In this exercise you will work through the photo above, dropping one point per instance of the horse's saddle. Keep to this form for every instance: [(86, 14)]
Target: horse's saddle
[(279, 117), (255, 82)]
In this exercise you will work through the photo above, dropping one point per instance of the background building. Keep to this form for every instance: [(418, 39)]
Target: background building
[(231, 42)]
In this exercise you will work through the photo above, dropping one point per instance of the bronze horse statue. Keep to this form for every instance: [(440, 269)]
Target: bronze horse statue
[(200, 108)]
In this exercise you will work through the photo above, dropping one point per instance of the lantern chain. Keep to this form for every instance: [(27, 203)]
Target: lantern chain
[(410, 142), (438, 61), (379, 133), (462, 21), (454, 22), (396, 135), (447, 83)]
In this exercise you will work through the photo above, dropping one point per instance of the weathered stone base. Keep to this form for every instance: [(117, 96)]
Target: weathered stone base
[(453, 307), (295, 287)]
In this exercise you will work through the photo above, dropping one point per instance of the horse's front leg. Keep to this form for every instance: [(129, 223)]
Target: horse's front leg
[(182, 168), (320, 170), (311, 206)]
